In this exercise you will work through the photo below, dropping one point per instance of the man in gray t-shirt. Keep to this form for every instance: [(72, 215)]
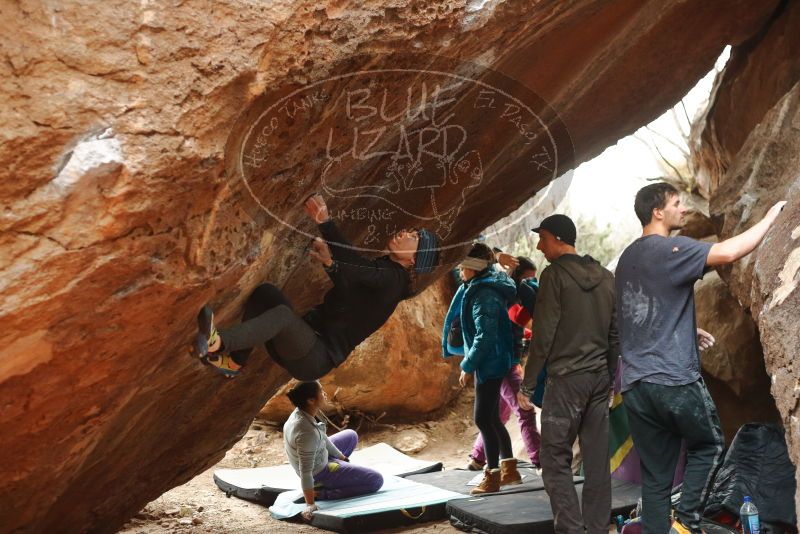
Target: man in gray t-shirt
[(655, 282), (664, 395)]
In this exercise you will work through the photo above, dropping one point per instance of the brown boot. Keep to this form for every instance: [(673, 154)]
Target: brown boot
[(489, 484), (508, 472), (474, 465)]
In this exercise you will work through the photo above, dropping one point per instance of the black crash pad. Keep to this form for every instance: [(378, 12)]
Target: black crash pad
[(517, 513), (457, 479), (526, 513)]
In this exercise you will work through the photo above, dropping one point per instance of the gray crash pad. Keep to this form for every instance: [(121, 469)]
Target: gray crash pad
[(264, 484)]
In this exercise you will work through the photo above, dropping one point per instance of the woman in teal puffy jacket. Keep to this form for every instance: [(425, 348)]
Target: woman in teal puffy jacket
[(488, 355)]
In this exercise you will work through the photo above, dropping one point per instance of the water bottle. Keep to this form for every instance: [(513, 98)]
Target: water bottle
[(748, 515)]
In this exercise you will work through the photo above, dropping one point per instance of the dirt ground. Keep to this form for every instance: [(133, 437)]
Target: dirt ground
[(200, 507)]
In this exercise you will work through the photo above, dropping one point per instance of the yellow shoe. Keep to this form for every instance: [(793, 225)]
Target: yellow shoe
[(678, 528), (223, 363), (207, 337)]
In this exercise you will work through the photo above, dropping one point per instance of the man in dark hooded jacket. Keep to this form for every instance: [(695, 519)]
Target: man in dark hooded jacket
[(576, 338)]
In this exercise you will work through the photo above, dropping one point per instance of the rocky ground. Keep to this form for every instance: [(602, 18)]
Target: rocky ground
[(199, 506)]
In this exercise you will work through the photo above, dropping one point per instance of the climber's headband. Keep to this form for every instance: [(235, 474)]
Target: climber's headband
[(476, 264)]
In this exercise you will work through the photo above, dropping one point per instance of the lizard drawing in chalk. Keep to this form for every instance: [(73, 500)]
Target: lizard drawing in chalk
[(440, 172)]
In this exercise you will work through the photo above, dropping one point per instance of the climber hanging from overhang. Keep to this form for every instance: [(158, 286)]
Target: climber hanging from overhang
[(365, 293)]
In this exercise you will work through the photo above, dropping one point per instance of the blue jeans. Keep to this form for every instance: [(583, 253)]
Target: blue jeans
[(660, 418)]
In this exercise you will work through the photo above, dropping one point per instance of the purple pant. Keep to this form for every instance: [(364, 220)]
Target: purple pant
[(341, 479), (527, 418)]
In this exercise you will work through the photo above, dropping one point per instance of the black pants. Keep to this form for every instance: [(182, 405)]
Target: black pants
[(660, 418), (496, 441), (576, 406), (269, 320)]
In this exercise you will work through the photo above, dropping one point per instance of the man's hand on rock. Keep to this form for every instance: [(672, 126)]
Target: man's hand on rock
[(321, 252), (316, 208), (775, 210)]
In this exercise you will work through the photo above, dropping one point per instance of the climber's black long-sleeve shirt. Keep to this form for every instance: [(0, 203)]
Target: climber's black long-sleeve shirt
[(364, 296)]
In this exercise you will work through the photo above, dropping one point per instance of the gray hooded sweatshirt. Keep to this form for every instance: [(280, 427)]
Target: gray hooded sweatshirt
[(574, 322)]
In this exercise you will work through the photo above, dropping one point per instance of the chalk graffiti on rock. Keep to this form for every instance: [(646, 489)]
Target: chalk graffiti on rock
[(391, 146)]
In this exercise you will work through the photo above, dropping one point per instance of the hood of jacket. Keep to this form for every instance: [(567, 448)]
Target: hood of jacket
[(453, 313), (584, 270), (498, 281)]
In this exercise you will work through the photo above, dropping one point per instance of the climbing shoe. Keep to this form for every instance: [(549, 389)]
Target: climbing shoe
[(223, 363), (678, 528), (489, 484), (508, 472), (208, 337)]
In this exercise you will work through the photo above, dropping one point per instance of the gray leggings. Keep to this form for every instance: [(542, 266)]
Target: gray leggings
[(269, 320)]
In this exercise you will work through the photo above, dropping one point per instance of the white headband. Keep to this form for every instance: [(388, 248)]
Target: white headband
[(476, 264)]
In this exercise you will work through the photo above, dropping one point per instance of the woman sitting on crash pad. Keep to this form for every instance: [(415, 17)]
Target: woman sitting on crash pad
[(365, 293), (322, 463)]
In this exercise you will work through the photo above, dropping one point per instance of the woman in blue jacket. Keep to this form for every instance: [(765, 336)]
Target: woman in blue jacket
[(488, 354)]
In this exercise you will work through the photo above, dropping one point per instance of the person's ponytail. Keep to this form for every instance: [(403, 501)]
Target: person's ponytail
[(303, 392)]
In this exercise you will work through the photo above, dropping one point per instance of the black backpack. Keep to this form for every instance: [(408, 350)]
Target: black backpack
[(455, 337)]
